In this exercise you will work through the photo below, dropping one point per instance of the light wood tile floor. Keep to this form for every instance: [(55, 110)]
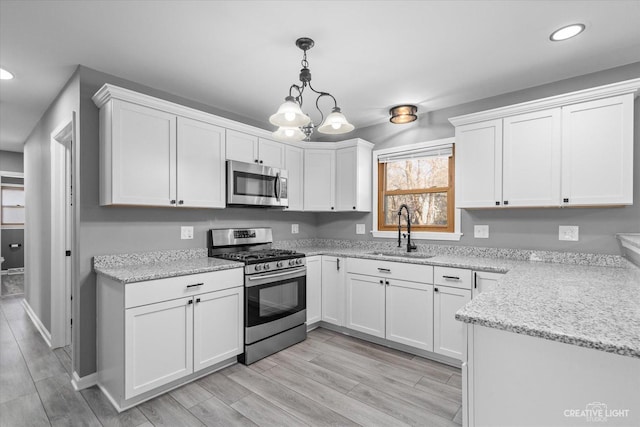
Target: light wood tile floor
[(330, 379)]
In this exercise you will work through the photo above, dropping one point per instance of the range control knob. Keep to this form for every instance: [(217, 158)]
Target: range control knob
[(258, 267), (299, 261), (292, 262), (267, 266), (279, 264)]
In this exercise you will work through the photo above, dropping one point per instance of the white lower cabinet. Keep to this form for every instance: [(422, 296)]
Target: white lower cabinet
[(156, 332), (448, 333), (366, 304), (333, 292), (159, 345), (409, 314), (314, 289)]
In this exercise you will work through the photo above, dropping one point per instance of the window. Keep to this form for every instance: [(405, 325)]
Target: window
[(421, 178), (12, 212)]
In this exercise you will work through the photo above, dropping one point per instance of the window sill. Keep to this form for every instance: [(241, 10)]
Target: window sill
[(418, 235)]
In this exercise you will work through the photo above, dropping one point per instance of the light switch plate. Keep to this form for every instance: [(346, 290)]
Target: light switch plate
[(186, 233), (569, 232), (481, 231), (359, 228), (295, 229)]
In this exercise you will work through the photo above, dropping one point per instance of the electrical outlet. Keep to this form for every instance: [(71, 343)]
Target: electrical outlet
[(481, 231), (186, 232), (295, 229), (568, 232), (359, 228)]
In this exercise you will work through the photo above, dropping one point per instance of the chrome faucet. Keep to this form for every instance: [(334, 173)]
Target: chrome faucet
[(410, 247)]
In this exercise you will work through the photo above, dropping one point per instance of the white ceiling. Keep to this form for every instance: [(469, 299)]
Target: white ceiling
[(240, 56)]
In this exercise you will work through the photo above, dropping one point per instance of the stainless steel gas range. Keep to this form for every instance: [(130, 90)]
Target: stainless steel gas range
[(275, 283)]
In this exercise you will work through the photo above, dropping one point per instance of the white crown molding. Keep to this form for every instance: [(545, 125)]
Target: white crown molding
[(614, 89)]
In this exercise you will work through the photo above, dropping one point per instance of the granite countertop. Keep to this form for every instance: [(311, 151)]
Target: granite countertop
[(131, 268), (588, 300)]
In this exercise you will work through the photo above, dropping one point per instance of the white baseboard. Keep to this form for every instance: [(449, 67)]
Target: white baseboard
[(84, 382), (46, 335)]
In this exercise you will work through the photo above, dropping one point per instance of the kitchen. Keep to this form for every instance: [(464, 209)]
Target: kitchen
[(108, 230)]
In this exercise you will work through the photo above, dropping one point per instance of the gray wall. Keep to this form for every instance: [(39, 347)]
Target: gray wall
[(11, 161), (512, 228), (37, 171), (109, 230)]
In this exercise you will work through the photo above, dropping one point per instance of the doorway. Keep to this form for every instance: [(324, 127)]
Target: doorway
[(62, 234), (11, 234)]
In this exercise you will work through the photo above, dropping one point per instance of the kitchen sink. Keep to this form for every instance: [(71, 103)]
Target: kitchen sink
[(414, 255)]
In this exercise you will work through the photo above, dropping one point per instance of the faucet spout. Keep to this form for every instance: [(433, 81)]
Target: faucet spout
[(410, 246)]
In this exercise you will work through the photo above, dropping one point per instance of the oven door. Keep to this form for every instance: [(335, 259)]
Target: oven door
[(256, 185), (274, 302)]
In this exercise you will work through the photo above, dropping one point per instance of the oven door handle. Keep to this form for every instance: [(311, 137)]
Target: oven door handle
[(293, 273)]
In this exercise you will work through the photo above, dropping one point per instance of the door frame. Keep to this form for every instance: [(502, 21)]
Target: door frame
[(12, 175), (62, 227)]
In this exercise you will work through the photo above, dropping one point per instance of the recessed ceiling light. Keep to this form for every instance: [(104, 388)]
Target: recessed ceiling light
[(567, 32), (5, 75)]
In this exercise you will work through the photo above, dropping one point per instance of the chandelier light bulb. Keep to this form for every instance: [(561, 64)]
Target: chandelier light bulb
[(289, 116), (289, 132)]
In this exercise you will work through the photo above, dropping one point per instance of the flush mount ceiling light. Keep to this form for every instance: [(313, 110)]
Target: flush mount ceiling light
[(401, 114), (294, 124), (567, 32), (5, 75)]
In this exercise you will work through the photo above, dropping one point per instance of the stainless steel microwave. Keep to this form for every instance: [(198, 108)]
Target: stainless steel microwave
[(251, 184)]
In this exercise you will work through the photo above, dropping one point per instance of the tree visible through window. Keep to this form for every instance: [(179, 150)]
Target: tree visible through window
[(425, 184)]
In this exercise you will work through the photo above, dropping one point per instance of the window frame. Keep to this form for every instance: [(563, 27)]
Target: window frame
[(451, 232)]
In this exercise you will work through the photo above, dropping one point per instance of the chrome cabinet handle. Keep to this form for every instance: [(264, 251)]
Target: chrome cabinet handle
[(450, 278)]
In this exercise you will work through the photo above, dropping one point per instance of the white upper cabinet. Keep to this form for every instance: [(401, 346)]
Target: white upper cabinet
[(479, 165), (138, 155), (337, 176), (531, 159), (597, 152), (294, 164), (353, 178), (574, 149), (252, 149), (200, 164), (319, 179), (242, 147)]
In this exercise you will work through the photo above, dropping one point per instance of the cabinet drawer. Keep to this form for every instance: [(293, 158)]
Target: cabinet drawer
[(152, 291), (454, 277), (397, 270)]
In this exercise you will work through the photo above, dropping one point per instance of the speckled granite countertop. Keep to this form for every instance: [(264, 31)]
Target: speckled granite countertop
[(131, 268), (588, 300)]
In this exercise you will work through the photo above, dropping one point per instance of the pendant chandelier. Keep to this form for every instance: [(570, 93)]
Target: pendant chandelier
[(294, 124)]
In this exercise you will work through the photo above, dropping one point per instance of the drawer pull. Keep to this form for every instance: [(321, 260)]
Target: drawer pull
[(384, 270), (450, 278), (194, 285)]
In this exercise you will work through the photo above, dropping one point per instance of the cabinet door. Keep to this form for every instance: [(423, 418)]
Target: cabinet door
[(448, 333), (484, 281), (241, 146), (333, 293), (531, 159), (271, 153), (143, 156), (346, 179), (294, 164), (365, 304), (597, 152), (479, 165), (319, 180), (314, 289), (218, 327), (200, 164), (158, 345), (409, 313)]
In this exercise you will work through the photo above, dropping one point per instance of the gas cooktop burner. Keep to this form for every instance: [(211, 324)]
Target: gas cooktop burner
[(250, 257)]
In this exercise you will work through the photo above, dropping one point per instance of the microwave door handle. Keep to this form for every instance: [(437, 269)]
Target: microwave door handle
[(276, 186)]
